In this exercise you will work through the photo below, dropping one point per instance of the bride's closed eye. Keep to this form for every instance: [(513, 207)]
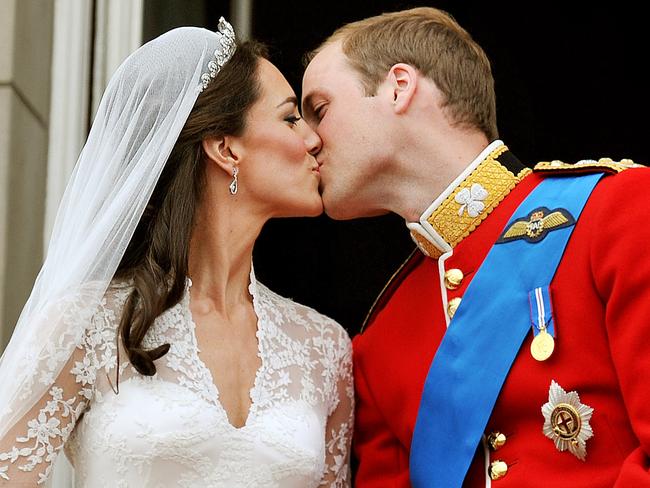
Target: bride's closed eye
[(292, 119)]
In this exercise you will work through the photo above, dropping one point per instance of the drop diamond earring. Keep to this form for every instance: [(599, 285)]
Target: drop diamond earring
[(233, 183)]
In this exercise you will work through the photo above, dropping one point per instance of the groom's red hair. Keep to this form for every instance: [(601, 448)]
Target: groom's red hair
[(430, 40)]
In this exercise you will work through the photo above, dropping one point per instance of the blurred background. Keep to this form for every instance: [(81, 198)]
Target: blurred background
[(568, 81)]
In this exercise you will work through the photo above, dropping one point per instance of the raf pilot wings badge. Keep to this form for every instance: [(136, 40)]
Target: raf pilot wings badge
[(537, 225)]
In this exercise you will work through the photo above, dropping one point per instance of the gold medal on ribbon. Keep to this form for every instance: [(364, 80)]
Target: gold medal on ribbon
[(542, 346), (541, 317)]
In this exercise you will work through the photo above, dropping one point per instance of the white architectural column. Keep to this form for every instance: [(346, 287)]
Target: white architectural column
[(70, 96), (71, 58), (79, 57), (118, 32)]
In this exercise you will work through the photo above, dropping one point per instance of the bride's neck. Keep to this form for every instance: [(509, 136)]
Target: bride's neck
[(221, 250)]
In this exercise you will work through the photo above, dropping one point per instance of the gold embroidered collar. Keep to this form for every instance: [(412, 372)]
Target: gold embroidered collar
[(468, 200)]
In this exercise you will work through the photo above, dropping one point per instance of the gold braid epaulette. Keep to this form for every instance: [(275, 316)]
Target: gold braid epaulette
[(586, 166)]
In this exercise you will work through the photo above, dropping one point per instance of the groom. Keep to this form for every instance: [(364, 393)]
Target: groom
[(512, 348)]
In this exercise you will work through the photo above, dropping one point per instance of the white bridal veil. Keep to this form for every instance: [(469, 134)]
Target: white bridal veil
[(138, 122)]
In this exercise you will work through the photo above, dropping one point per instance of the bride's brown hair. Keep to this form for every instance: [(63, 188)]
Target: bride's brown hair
[(156, 259)]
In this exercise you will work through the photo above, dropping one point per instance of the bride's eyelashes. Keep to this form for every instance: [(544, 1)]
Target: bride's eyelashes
[(292, 119)]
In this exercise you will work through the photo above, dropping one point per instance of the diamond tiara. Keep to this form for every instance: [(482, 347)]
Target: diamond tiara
[(226, 37)]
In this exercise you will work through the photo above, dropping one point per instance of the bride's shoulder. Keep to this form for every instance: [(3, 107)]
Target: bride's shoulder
[(88, 298), (103, 304), (118, 291)]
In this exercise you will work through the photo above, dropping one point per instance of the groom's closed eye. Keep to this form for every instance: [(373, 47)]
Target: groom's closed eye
[(307, 110), (319, 111), (313, 108), (314, 114)]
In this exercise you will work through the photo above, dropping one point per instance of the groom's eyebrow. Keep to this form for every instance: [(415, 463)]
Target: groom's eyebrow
[(291, 99)]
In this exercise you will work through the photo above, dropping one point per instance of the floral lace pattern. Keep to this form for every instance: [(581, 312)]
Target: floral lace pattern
[(171, 429)]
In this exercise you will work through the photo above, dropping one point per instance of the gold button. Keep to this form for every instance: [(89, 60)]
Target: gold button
[(453, 278), (497, 470), (496, 440), (452, 306), (605, 160)]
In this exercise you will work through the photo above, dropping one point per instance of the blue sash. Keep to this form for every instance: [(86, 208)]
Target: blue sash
[(484, 338)]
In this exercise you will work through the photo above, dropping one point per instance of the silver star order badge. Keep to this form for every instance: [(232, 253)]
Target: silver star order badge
[(566, 421)]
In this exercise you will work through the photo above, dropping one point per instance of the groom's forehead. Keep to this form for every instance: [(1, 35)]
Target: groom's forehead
[(326, 71), (326, 63)]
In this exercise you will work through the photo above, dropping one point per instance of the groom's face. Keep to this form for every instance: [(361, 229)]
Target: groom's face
[(348, 122)]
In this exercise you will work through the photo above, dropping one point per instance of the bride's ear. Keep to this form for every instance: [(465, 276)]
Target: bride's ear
[(223, 152)]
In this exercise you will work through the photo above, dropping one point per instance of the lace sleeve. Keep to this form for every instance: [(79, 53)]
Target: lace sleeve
[(338, 433), (28, 450)]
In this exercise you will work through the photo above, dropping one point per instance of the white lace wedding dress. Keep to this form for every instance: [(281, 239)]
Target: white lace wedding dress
[(170, 429)]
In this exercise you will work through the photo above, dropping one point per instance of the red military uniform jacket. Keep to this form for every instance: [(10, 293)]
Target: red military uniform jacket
[(601, 305)]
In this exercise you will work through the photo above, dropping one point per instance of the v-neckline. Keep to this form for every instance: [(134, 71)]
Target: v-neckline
[(207, 374)]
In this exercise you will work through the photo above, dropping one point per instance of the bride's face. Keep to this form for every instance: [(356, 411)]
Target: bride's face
[(277, 168)]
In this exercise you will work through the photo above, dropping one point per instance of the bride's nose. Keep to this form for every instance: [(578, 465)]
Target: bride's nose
[(313, 141)]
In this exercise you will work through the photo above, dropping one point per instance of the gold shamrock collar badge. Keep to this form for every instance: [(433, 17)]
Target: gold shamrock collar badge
[(468, 200)]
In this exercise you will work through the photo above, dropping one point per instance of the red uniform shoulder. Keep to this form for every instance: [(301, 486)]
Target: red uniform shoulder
[(393, 283)]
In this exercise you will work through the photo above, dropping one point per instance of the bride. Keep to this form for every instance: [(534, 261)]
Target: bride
[(147, 349)]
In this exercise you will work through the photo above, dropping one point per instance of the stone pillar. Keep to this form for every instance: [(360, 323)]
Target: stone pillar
[(25, 62)]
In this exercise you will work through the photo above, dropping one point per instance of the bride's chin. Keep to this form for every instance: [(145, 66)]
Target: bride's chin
[(315, 208)]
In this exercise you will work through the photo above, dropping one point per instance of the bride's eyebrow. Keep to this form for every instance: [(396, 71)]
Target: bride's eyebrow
[(291, 99)]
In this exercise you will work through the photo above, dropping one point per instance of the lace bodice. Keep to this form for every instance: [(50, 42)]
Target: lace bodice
[(171, 429)]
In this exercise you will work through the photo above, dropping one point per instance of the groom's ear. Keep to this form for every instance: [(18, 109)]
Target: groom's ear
[(402, 79), (223, 151)]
